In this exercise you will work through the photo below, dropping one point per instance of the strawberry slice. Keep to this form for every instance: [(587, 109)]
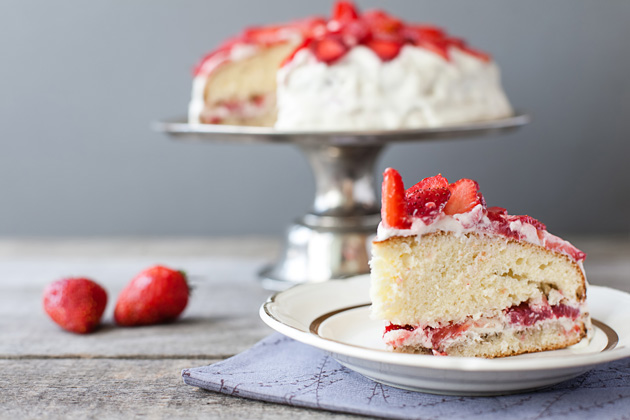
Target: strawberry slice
[(382, 23), (344, 11), (427, 204), (394, 205), (464, 196), (497, 210), (309, 27), (437, 181), (416, 33), (385, 49), (265, 35), (428, 197), (355, 32), (329, 49)]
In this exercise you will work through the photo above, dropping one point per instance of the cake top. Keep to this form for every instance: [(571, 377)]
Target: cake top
[(434, 204), (331, 39)]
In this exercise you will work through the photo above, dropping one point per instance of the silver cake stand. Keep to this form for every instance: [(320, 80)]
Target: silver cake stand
[(333, 240)]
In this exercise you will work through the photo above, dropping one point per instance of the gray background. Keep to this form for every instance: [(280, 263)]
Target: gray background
[(81, 81)]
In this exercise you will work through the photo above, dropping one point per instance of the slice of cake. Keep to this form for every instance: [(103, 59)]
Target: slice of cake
[(453, 277), (353, 71)]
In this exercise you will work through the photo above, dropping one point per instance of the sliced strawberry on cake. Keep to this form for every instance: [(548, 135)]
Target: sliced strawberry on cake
[(457, 278)]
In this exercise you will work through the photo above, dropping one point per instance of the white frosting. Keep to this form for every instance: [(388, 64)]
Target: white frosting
[(473, 221), (459, 224), (197, 102), (416, 89)]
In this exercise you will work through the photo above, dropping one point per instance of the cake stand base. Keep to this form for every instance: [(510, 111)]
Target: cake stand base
[(315, 254)]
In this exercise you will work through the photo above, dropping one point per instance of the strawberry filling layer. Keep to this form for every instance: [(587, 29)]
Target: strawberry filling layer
[(519, 316), (217, 112)]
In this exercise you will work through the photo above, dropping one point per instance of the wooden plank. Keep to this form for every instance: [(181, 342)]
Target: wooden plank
[(79, 389)]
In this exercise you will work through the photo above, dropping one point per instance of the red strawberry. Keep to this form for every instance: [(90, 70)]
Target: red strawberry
[(497, 210), (437, 181), (385, 49), (428, 197), (344, 11), (416, 33), (329, 49), (394, 206), (428, 203), (156, 295), (355, 32), (75, 304), (382, 23), (265, 35), (309, 27), (464, 196)]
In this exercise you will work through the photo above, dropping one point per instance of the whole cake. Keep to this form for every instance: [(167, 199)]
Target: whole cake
[(454, 277), (354, 71)]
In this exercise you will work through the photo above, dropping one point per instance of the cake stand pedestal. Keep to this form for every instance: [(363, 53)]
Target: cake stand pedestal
[(333, 240)]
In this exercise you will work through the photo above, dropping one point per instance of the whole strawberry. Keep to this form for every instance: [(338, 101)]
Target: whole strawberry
[(156, 295), (75, 304)]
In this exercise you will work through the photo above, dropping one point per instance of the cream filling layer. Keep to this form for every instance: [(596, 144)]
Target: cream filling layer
[(475, 330)]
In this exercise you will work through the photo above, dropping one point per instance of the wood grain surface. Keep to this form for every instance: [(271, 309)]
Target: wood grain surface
[(135, 372)]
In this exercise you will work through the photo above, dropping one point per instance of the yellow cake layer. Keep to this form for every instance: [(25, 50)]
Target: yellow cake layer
[(443, 277)]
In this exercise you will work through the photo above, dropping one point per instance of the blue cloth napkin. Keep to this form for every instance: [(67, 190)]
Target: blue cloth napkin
[(281, 370)]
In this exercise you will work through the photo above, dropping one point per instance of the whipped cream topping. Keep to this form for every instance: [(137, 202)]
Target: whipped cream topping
[(418, 88), (477, 221)]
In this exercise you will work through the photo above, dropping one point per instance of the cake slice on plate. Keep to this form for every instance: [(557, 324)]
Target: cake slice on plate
[(355, 70), (454, 277)]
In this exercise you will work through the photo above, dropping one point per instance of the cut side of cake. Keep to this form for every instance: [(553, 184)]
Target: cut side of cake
[(453, 277), (355, 70), (236, 84)]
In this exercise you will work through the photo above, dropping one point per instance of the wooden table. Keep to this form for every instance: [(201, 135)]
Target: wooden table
[(135, 372)]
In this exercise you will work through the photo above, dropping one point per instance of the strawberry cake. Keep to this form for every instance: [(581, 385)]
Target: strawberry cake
[(451, 276), (355, 70)]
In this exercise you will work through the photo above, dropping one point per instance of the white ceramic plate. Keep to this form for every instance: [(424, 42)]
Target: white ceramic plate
[(334, 316)]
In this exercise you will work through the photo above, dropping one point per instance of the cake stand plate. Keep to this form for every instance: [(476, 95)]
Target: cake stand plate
[(333, 240)]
